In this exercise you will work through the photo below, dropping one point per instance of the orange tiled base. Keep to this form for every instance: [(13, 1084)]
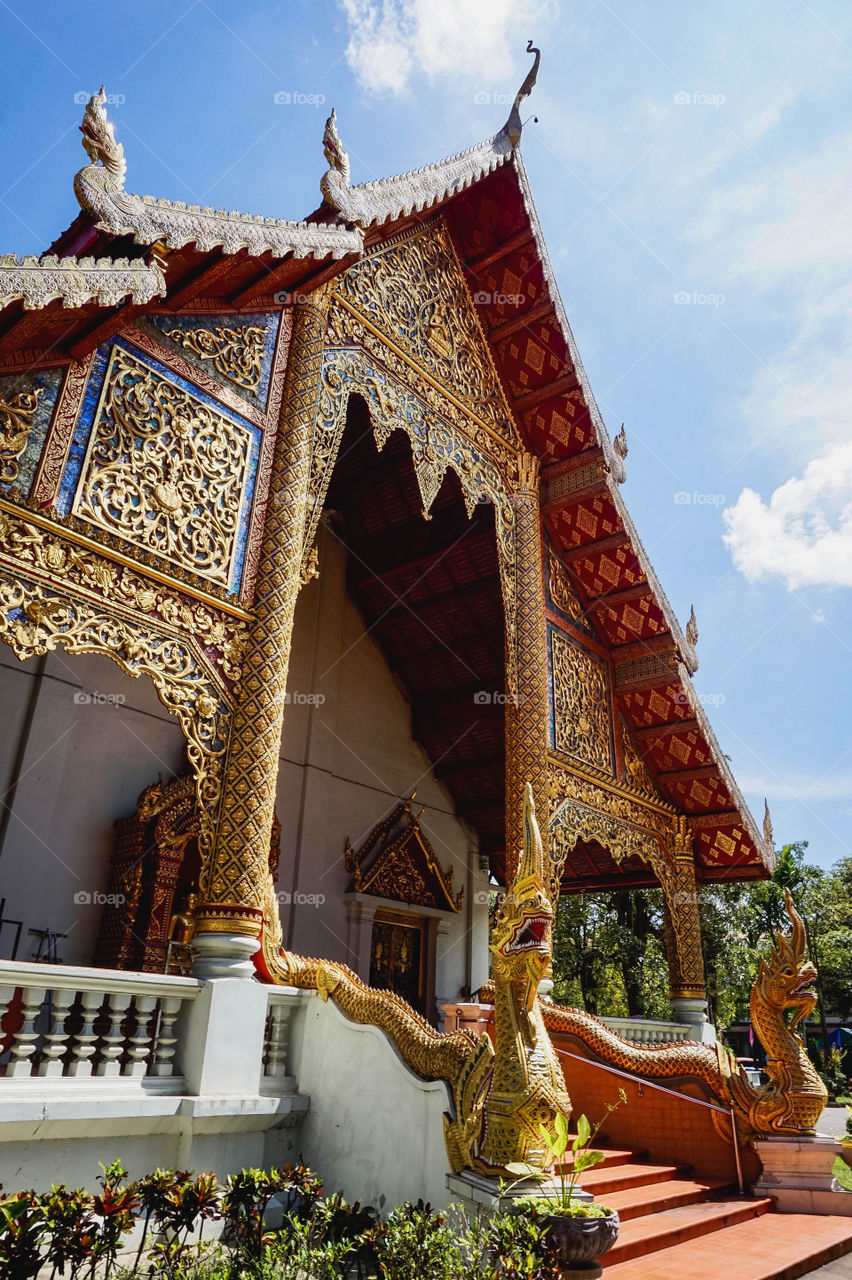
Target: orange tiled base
[(776, 1246)]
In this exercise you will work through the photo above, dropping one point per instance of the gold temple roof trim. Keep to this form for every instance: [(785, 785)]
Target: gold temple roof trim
[(76, 281), (99, 188)]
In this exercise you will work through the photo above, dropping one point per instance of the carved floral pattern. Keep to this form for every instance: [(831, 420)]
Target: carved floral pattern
[(165, 470), (581, 711), (236, 353)]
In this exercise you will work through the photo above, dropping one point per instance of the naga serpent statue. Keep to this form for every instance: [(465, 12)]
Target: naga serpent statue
[(792, 1100), (502, 1094)]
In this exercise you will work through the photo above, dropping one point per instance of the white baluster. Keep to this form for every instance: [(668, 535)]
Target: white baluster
[(166, 1040), (84, 1041), (56, 1041), (112, 1041), (276, 1043), (140, 1041), (24, 1044)]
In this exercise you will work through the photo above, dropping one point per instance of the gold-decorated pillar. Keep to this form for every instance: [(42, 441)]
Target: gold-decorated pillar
[(233, 885), (526, 656), (687, 985)]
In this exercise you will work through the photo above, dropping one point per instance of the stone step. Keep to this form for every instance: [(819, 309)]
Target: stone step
[(612, 1156), (774, 1246), (638, 1202), (651, 1232), (600, 1181)]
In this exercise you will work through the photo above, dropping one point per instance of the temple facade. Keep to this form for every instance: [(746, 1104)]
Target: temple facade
[(314, 555)]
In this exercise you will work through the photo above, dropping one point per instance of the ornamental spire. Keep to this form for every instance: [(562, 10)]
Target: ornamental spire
[(514, 125), (692, 628), (336, 177), (767, 823), (99, 143)]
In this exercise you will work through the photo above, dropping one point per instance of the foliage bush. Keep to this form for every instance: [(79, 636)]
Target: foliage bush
[(76, 1235)]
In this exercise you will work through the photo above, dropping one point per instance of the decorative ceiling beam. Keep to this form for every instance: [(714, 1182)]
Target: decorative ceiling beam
[(105, 329), (612, 599), (597, 546), (566, 385), (656, 732), (506, 328), (518, 241), (704, 773), (197, 283)]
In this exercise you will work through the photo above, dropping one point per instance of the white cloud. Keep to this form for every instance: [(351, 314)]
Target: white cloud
[(803, 535), (390, 40), (796, 785)]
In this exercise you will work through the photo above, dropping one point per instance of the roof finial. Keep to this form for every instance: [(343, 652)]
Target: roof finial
[(336, 178), (620, 443), (767, 823), (108, 168), (692, 628), (514, 125)]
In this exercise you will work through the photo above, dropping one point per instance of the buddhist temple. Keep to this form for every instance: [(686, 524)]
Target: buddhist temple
[(318, 588)]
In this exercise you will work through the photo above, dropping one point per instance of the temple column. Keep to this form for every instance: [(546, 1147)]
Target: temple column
[(234, 885), (526, 706), (683, 938)]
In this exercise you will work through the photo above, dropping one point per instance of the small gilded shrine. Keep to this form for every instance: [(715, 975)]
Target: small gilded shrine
[(338, 494)]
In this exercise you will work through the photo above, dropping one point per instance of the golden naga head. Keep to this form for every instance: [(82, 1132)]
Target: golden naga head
[(786, 980), (522, 939)]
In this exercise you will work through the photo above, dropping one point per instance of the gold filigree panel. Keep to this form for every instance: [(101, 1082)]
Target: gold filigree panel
[(236, 351), (16, 420), (36, 618), (581, 703), (560, 589), (164, 470), (413, 289)]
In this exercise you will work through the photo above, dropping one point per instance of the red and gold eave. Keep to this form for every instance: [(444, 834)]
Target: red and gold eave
[(498, 240)]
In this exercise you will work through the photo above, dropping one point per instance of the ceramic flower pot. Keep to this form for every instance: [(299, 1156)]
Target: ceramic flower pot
[(578, 1242)]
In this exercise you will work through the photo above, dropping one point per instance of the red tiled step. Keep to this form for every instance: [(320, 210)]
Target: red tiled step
[(641, 1236), (611, 1156), (637, 1202), (775, 1246), (600, 1182)]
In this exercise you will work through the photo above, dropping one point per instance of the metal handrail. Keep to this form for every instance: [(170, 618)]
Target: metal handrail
[(711, 1106)]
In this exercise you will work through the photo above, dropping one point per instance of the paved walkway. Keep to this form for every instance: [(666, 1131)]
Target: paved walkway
[(839, 1270), (833, 1121)]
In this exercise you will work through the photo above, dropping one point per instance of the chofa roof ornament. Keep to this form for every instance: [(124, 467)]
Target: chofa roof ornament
[(373, 203), (514, 125), (108, 167)]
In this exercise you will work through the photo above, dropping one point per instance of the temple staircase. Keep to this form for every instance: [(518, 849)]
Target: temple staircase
[(676, 1225)]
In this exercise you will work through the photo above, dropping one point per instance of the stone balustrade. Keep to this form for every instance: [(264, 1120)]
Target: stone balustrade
[(645, 1031), (60, 1022)]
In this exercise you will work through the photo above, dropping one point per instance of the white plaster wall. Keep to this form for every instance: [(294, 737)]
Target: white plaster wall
[(374, 1130), (345, 763), (68, 769)]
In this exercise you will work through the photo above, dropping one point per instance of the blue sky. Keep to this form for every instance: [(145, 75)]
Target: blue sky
[(692, 168)]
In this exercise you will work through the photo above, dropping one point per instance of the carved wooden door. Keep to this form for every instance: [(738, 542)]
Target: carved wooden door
[(398, 956)]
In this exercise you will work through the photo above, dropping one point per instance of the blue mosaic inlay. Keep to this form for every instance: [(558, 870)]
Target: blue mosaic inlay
[(159, 326), (11, 385), (82, 432)]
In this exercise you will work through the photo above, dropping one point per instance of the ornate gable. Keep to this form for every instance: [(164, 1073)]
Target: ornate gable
[(396, 861), (413, 289)]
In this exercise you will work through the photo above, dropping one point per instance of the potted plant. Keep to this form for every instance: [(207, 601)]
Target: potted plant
[(578, 1231)]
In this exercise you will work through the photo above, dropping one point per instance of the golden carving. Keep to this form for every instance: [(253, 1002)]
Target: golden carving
[(236, 353), (16, 420), (36, 619), (581, 704), (635, 770), (404, 867), (561, 591), (164, 470), (234, 895), (413, 289), (527, 1087), (526, 669)]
